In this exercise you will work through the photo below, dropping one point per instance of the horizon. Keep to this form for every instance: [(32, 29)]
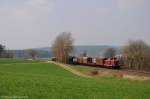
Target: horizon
[(74, 46), (35, 23)]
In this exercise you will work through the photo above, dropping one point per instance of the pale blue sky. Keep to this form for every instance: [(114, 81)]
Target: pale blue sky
[(35, 23)]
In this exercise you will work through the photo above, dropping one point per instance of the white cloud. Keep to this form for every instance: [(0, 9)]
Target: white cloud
[(29, 8), (128, 4), (40, 4)]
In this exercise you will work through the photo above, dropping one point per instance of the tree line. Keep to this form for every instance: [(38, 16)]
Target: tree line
[(10, 54), (134, 55), (5, 53)]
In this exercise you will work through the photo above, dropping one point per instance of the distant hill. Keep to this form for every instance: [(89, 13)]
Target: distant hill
[(94, 51), (45, 52), (43, 48)]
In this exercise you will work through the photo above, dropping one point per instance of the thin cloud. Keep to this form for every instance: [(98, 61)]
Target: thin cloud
[(29, 8), (128, 4)]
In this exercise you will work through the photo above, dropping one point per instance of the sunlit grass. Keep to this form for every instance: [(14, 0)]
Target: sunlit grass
[(47, 81)]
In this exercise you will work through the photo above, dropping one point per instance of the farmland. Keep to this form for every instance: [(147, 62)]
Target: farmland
[(41, 80)]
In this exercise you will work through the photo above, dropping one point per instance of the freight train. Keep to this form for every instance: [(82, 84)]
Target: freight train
[(89, 61), (95, 62)]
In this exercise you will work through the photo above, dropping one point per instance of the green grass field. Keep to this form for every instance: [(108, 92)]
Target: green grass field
[(39, 80)]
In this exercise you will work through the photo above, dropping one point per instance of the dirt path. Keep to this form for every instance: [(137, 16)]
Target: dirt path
[(66, 67)]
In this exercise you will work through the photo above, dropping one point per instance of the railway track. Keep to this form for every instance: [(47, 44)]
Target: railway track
[(142, 73)]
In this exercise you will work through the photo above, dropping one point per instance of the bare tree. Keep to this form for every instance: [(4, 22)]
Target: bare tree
[(32, 53), (110, 52), (2, 49), (62, 46), (137, 55)]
